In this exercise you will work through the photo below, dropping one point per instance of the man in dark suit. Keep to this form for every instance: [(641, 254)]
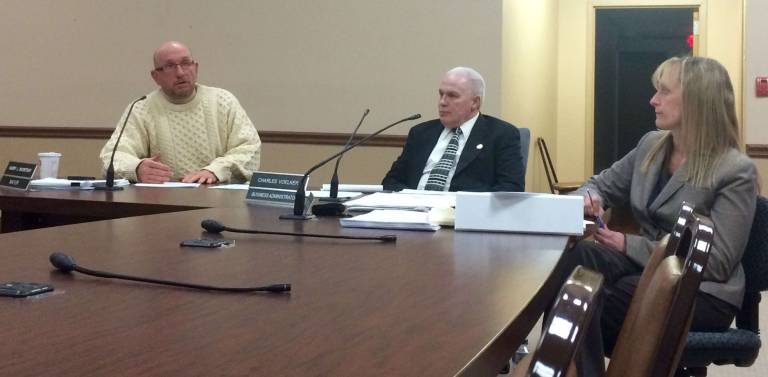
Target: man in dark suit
[(463, 150)]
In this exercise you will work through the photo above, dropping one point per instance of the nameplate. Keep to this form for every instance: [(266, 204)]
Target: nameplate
[(18, 175), (520, 212), (20, 169), (9, 181), (274, 188), (278, 181), (270, 195)]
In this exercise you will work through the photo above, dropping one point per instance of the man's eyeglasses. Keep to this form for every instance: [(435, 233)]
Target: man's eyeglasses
[(170, 67)]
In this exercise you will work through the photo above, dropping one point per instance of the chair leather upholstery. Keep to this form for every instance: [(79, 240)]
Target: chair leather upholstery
[(572, 311), (653, 334)]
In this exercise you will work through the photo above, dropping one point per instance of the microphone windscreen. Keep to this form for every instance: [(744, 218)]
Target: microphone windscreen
[(389, 238), (212, 226), (278, 288), (62, 261), (414, 117)]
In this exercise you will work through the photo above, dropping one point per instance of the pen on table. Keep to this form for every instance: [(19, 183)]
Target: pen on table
[(598, 220)]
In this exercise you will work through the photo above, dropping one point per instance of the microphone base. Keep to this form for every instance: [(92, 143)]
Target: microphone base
[(335, 209), (291, 216), (105, 188)]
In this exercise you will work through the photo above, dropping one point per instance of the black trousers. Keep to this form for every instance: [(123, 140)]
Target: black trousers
[(622, 275)]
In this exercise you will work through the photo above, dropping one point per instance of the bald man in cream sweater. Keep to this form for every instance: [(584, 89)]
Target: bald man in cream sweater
[(184, 131)]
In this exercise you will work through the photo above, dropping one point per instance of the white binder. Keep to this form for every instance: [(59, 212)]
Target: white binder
[(521, 212)]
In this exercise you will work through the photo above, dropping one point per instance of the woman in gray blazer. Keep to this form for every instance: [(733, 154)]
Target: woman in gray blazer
[(694, 156)]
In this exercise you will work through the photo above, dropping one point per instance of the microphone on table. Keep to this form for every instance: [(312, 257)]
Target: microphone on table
[(298, 203), (334, 194), (214, 226), (109, 185), (65, 263)]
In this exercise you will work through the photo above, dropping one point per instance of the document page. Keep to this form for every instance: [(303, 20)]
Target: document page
[(359, 188), (391, 219), (169, 185), (396, 200)]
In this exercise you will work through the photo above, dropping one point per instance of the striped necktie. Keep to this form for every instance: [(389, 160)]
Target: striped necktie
[(438, 177)]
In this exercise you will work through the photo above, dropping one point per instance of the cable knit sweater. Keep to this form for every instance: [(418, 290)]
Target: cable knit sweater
[(211, 132)]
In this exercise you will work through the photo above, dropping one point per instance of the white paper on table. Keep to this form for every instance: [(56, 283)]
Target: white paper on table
[(396, 200), (353, 188), (169, 185), (391, 219), (428, 192), (231, 186), (341, 194)]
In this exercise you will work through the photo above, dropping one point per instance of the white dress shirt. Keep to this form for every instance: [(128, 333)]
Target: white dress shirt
[(437, 152)]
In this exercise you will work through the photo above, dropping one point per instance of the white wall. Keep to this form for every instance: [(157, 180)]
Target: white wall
[(755, 64), (296, 65)]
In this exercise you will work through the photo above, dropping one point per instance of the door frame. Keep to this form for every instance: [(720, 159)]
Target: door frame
[(699, 31)]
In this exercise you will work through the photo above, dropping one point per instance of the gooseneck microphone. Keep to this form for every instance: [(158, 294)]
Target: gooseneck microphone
[(65, 263), (298, 203), (334, 194), (109, 185), (214, 226)]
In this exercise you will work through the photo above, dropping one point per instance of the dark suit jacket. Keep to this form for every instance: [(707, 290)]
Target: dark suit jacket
[(730, 203), (496, 166)]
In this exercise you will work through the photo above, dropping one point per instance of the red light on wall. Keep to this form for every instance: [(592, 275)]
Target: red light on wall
[(761, 87), (689, 40)]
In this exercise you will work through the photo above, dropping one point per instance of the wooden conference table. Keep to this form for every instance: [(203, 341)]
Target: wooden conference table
[(432, 304), (42, 208)]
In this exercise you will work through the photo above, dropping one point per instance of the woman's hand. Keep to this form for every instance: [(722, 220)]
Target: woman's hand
[(611, 239), (593, 204)]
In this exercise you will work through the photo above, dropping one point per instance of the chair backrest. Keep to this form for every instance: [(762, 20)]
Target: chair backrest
[(563, 333), (525, 145), (653, 335), (702, 233), (670, 245), (549, 169), (755, 263), (755, 259)]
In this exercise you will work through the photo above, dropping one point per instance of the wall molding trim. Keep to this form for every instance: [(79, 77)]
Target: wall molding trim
[(757, 150), (313, 138), (280, 137)]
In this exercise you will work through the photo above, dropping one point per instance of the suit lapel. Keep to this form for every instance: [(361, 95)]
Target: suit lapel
[(676, 181), (428, 141), (470, 151)]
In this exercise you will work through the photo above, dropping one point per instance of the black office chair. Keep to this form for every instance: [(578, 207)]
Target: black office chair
[(739, 346), (555, 186), (573, 309)]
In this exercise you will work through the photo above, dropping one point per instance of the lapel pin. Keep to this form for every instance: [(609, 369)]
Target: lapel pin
[(479, 146)]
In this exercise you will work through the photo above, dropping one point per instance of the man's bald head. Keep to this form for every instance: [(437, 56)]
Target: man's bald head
[(175, 72), (169, 48)]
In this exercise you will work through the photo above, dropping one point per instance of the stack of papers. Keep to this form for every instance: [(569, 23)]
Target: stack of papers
[(67, 184), (398, 200), (231, 186), (340, 194), (169, 185), (391, 219), (353, 188)]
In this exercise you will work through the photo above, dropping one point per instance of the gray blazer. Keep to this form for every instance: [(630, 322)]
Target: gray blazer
[(730, 203)]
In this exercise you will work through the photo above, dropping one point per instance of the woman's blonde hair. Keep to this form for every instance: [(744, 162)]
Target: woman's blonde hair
[(709, 126)]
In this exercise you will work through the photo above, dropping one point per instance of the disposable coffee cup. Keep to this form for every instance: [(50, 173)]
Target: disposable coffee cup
[(49, 164)]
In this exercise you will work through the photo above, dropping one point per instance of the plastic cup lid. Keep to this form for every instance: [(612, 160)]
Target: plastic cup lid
[(49, 154)]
